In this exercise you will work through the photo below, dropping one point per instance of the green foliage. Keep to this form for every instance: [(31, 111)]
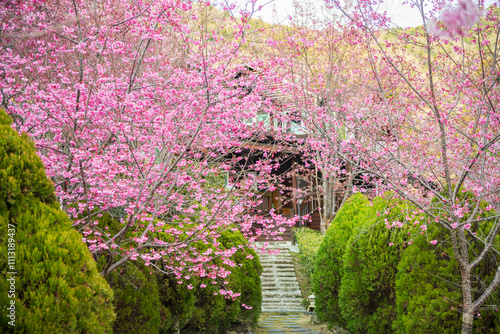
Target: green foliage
[(424, 300), (205, 310), (373, 279), (137, 300), (22, 175), (58, 287), (329, 264), (367, 291), (428, 292), (308, 242), (192, 310)]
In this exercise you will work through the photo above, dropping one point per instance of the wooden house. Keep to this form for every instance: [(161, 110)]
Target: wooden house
[(293, 193)]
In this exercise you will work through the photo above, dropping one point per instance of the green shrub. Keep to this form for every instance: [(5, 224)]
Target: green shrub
[(58, 287), (137, 300), (426, 289), (190, 310), (367, 288), (205, 310), (329, 264), (373, 279), (308, 242), (428, 292)]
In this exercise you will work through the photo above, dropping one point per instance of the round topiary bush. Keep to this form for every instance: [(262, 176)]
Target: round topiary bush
[(57, 286), (329, 260)]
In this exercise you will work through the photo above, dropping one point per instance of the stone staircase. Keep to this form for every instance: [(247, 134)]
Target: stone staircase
[(280, 290)]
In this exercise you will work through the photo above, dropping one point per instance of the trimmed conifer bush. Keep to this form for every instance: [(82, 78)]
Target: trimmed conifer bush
[(428, 284), (367, 290), (206, 310), (425, 301), (329, 260), (136, 294), (137, 300), (57, 287)]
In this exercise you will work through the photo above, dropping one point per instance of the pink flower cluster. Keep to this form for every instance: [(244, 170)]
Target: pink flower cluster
[(454, 19)]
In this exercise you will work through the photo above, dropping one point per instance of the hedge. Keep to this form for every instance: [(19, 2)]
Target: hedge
[(308, 242), (329, 260), (372, 277), (137, 300)]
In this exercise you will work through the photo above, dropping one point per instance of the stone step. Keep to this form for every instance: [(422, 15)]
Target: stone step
[(282, 308), (284, 255), (283, 301), (271, 291), (296, 307), (279, 270), (284, 281), (279, 262), (285, 310), (276, 286), (273, 285), (278, 267), (280, 289), (269, 262), (278, 279), (267, 270), (284, 274), (281, 294), (281, 274), (289, 309), (279, 257), (275, 281)]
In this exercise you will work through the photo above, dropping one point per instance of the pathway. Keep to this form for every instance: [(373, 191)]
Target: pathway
[(286, 324), (282, 309), (280, 289)]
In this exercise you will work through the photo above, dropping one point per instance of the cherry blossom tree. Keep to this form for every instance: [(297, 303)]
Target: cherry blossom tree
[(425, 124), (136, 108), (323, 72)]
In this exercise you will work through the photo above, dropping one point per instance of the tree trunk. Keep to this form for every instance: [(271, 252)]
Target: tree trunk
[(177, 327), (467, 305), (461, 255), (327, 212), (467, 320)]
